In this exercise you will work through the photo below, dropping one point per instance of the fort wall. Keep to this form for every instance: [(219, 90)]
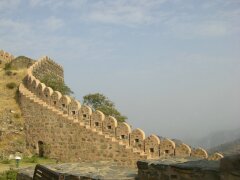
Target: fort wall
[(5, 56), (71, 131)]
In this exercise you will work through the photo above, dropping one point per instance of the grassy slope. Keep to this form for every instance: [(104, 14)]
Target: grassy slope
[(11, 124), (25, 163), (12, 139)]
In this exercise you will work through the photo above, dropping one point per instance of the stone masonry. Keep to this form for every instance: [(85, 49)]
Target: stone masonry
[(58, 126)]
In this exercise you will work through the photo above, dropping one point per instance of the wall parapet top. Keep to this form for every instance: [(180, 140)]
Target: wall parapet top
[(5, 56), (121, 131)]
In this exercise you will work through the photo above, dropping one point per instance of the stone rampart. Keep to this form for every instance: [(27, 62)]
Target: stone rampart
[(59, 126), (5, 56), (45, 67)]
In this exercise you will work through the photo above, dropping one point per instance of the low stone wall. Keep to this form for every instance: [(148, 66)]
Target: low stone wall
[(175, 169)]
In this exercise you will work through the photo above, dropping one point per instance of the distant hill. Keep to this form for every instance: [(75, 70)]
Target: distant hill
[(227, 148), (215, 139)]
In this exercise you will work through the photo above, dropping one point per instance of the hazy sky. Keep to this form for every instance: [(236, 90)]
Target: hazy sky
[(171, 66)]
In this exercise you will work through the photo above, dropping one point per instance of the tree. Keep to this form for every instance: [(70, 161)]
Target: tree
[(100, 102), (56, 84)]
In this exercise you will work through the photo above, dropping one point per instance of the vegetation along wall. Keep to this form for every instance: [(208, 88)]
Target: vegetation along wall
[(58, 126)]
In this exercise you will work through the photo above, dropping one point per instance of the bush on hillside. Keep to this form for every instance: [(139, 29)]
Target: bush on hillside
[(9, 73), (8, 66), (17, 115), (21, 62), (56, 84), (11, 85)]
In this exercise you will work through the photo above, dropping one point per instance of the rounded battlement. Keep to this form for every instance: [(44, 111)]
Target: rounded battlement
[(182, 150), (167, 147), (215, 157), (97, 122), (152, 144), (199, 153), (137, 138), (5, 56)]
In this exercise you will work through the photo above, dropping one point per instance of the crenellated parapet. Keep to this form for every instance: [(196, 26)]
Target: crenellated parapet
[(106, 127), (5, 56), (46, 66)]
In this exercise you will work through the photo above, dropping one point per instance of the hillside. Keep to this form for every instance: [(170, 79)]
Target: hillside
[(229, 148), (215, 139), (12, 138)]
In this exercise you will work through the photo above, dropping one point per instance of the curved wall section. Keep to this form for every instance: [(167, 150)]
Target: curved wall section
[(72, 132)]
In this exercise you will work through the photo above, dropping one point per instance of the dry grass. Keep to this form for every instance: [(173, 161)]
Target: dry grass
[(8, 102)]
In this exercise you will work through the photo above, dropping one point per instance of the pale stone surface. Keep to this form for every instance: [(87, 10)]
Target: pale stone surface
[(187, 169), (123, 132), (137, 138), (63, 103), (167, 147), (96, 170), (182, 150), (215, 156), (55, 97), (85, 115), (109, 126), (97, 120), (152, 146), (74, 108), (228, 168), (199, 153), (48, 91)]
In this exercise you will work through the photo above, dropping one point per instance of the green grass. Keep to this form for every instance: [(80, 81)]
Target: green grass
[(25, 162), (8, 170), (9, 175)]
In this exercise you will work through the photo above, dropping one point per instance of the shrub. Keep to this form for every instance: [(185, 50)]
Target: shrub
[(56, 84), (12, 174), (11, 85), (9, 73), (9, 175), (17, 115), (8, 66)]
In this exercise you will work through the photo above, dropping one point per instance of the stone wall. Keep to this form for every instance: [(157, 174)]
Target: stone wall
[(47, 66), (228, 168), (58, 125), (5, 56), (66, 139)]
